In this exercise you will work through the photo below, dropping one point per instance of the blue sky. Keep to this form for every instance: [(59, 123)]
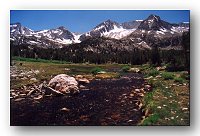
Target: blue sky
[(85, 20)]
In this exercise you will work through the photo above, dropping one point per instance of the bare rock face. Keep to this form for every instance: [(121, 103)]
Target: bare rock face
[(64, 84)]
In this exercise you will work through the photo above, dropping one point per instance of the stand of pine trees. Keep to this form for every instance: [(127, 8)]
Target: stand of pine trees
[(177, 59)]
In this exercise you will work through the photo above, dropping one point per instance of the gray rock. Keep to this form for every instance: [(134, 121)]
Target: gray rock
[(31, 92), (81, 79), (14, 75), (36, 72), (23, 78), (67, 69), (65, 109), (135, 70), (64, 84), (81, 87), (147, 88), (101, 72), (38, 97), (19, 99)]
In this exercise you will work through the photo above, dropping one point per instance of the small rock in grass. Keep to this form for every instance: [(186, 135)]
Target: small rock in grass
[(23, 78), (158, 76), (149, 77), (135, 70), (101, 72), (36, 72), (67, 69), (137, 90), (159, 107), (147, 88), (141, 94), (167, 119), (184, 109)]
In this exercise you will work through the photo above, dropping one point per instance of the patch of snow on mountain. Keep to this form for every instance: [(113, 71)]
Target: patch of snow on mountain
[(87, 34), (42, 31), (98, 28), (13, 30), (118, 32), (33, 42), (163, 29), (160, 32)]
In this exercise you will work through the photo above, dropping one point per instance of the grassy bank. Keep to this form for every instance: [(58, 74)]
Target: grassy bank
[(168, 103)]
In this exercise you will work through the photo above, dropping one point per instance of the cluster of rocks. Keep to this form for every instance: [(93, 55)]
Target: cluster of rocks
[(141, 91), (23, 74), (135, 97), (59, 85)]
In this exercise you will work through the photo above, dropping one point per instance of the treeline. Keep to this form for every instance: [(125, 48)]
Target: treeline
[(78, 54)]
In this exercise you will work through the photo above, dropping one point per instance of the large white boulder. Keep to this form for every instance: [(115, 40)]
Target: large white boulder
[(64, 84)]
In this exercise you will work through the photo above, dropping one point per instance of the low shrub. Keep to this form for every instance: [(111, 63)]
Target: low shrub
[(174, 68), (151, 120), (125, 68), (179, 80), (153, 73), (96, 70), (167, 75)]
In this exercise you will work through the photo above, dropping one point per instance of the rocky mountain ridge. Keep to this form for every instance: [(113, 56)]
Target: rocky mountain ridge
[(140, 33)]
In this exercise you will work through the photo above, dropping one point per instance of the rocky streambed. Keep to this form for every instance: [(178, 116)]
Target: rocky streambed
[(115, 101)]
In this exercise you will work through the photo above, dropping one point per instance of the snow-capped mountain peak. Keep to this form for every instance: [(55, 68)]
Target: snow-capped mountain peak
[(112, 29), (17, 28), (58, 35), (154, 22)]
